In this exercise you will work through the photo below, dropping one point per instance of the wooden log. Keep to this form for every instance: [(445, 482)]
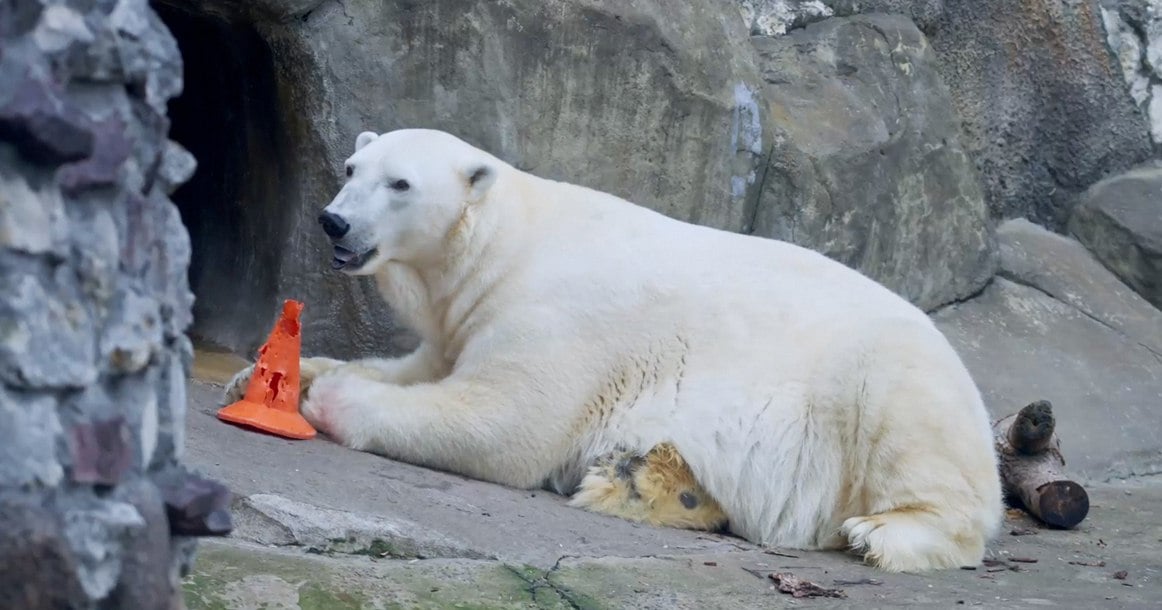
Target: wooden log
[(1032, 467)]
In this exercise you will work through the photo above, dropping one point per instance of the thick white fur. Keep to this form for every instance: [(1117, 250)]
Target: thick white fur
[(559, 323)]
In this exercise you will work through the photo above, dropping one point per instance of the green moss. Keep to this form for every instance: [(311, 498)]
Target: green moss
[(377, 549), (380, 548), (220, 581), (203, 593), (313, 596)]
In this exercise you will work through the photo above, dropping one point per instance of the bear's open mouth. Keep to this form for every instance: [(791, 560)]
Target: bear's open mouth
[(349, 260)]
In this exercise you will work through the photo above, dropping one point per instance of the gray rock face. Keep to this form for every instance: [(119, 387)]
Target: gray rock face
[(1056, 325), (94, 306), (650, 99), (1134, 33), (866, 164), (777, 17), (1045, 108), (1120, 221), (657, 102), (1062, 268), (1046, 112)]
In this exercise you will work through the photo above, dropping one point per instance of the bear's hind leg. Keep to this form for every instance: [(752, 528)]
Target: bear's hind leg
[(912, 539), (931, 495), (657, 488)]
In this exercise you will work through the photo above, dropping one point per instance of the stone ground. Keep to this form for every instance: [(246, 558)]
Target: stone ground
[(319, 526)]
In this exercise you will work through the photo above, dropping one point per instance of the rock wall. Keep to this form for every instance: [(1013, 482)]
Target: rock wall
[(1120, 221), (96, 508), (1045, 107), (867, 164), (650, 99), (892, 144), (666, 104), (1134, 33)]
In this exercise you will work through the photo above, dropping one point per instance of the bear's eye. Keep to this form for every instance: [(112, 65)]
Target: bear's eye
[(401, 185), (350, 170)]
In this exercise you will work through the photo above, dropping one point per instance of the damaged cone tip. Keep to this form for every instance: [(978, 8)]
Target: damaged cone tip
[(271, 402)]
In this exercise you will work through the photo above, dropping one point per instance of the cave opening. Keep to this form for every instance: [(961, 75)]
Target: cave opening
[(236, 204)]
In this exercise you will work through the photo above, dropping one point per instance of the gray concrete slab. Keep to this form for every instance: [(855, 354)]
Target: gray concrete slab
[(1056, 325), (433, 511), (1110, 561)]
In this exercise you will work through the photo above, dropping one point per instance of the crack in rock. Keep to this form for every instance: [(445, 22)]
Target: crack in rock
[(544, 580)]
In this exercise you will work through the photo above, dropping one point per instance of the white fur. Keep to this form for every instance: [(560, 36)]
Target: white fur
[(559, 323)]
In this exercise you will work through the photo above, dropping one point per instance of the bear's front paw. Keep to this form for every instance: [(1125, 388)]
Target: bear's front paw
[(236, 389), (333, 408)]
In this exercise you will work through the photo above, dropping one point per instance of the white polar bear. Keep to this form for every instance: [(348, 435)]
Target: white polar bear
[(649, 366)]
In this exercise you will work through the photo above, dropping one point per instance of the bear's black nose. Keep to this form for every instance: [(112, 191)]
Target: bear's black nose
[(333, 225)]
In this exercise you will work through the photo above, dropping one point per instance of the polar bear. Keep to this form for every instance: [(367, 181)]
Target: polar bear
[(652, 369)]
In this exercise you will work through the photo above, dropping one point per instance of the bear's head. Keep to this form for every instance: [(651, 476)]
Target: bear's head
[(405, 192)]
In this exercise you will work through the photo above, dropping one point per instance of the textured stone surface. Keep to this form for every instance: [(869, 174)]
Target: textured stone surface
[(662, 105), (276, 520), (1071, 569), (1046, 111), (866, 163), (648, 99), (94, 303), (1062, 327), (47, 341), (43, 127), (99, 451), (453, 515), (1045, 104), (777, 17), (1062, 268), (316, 540), (1120, 221), (38, 569), (1134, 33), (1022, 345), (27, 456), (145, 581)]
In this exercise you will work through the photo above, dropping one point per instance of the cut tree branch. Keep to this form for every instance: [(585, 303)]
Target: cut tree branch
[(1032, 467)]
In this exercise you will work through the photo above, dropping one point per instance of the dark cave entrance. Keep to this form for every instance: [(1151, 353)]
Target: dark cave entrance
[(236, 205)]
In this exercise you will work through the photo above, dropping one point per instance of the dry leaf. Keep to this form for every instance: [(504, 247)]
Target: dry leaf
[(798, 587)]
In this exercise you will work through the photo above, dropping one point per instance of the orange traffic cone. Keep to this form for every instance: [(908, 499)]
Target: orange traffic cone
[(271, 402)]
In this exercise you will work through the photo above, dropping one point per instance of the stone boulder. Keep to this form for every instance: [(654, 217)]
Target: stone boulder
[(1120, 220), (1045, 110), (1134, 34), (1056, 325), (1063, 269), (97, 509), (866, 163), (1044, 105)]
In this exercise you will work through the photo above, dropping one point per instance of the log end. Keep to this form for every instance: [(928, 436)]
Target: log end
[(1062, 504)]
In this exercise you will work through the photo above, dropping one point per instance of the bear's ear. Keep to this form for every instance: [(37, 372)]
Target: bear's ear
[(480, 177), (364, 139)]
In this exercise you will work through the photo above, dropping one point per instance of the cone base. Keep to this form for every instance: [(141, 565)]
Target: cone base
[(257, 415)]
